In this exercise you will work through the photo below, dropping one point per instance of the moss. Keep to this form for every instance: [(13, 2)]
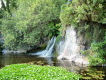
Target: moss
[(43, 46)]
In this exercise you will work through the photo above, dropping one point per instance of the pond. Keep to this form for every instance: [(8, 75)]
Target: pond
[(89, 73)]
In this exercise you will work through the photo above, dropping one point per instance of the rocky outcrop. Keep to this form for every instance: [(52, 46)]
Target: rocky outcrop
[(71, 46)]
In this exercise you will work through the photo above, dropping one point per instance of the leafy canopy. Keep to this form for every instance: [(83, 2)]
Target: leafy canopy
[(83, 10), (30, 23)]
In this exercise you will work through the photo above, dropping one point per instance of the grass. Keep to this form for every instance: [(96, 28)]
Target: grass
[(36, 72)]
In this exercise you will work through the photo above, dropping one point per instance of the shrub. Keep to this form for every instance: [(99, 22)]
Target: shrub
[(96, 53)]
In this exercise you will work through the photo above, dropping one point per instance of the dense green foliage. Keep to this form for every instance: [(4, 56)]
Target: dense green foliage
[(30, 23), (83, 10), (89, 18), (35, 72), (96, 53)]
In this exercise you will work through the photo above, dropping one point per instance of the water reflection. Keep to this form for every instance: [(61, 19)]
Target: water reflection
[(7, 59), (71, 66), (94, 73)]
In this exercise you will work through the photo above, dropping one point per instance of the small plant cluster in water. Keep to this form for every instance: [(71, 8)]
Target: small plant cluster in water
[(44, 63), (36, 72), (92, 74)]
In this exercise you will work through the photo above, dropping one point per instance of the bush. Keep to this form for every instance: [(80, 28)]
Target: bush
[(96, 53), (36, 72)]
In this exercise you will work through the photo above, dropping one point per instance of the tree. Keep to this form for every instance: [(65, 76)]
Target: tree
[(89, 18), (30, 23)]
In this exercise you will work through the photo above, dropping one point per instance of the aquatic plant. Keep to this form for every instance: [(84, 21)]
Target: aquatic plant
[(92, 73), (36, 72)]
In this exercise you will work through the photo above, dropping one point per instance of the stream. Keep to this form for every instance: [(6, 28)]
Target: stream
[(95, 73)]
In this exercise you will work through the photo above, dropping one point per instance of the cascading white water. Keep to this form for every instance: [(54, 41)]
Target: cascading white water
[(48, 52), (70, 49)]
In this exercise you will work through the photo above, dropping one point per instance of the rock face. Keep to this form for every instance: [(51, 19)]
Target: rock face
[(13, 52), (70, 47)]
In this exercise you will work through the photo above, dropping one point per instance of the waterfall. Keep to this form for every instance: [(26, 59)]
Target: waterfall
[(70, 47), (48, 52)]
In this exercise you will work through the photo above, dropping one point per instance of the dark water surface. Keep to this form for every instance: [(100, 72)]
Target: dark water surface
[(7, 59), (89, 73)]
